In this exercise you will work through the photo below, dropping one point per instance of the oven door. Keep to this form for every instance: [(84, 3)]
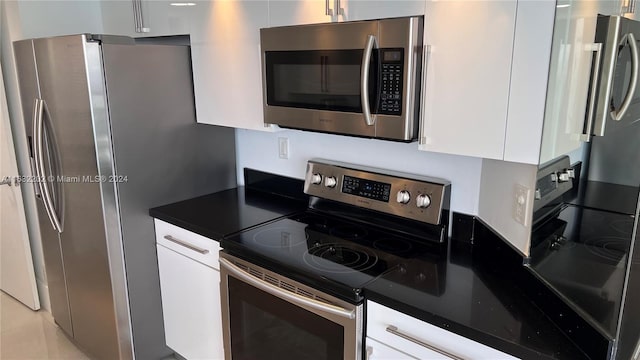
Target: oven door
[(282, 319)]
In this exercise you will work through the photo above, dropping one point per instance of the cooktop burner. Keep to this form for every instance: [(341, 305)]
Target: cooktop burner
[(361, 223), (321, 247), (324, 256)]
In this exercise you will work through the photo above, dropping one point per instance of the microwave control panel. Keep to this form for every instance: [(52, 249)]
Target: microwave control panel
[(392, 61)]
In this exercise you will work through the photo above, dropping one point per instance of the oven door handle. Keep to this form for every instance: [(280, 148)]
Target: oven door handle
[(284, 294)]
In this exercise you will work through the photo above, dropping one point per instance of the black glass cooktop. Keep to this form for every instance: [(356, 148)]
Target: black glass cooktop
[(335, 255), (582, 254)]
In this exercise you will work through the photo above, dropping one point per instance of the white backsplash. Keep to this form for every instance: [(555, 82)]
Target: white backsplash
[(259, 150)]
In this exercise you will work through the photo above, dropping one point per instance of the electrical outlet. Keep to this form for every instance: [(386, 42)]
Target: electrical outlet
[(521, 204), (283, 147)]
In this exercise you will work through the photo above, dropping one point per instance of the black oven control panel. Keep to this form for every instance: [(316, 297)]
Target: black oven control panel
[(410, 196), (392, 61), (366, 188)]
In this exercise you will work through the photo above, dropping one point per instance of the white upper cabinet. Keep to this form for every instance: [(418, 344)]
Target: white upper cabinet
[(226, 58), (148, 17), (368, 10), (292, 12), (288, 12), (629, 9), (466, 85)]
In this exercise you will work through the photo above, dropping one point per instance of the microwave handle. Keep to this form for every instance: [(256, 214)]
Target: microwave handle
[(619, 114), (588, 127), (369, 118)]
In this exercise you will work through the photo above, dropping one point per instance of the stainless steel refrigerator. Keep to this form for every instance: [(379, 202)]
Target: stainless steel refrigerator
[(112, 132)]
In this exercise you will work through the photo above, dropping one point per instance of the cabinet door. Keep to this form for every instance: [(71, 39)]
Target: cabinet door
[(379, 351), (226, 59), (368, 10), (570, 73), (160, 17), (117, 18), (191, 306), (164, 18), (466, 87), (423, 340), (288, 12)]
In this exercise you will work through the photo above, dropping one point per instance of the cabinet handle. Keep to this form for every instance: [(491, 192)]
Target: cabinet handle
[(136, 21), (394, 330), (186, 244), (327, 10), (339, 9), (586, 135), (369, 352), (426, 54)]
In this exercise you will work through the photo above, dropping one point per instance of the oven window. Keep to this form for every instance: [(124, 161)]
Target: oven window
[(319, 79), (266, 327)]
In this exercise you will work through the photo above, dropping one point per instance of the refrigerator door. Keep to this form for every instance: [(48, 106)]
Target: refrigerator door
[(52, 251), (62, 72)]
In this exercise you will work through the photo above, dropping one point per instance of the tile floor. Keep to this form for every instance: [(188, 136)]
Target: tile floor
[(27, 334)]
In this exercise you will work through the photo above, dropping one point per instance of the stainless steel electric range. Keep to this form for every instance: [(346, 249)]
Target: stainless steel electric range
[(292, 288)]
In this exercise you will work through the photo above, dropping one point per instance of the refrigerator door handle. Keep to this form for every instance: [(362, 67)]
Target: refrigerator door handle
[(633, 84), (37, 147), (46, 194), (34, 149)]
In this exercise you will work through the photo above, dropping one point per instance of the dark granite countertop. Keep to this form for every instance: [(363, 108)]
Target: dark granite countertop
[(226, 212), (473, 291), (264, 198), (474, 297)]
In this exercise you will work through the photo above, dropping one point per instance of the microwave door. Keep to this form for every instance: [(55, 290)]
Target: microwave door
[(618, 97), (615, 152), (320, 90)]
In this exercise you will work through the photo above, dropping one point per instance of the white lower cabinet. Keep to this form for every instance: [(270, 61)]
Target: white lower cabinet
[(418, 339), (379, 351), (190, 290)]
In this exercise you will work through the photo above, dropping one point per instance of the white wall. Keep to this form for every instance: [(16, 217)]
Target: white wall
[(25, 19), (497, 200), (259, 150)]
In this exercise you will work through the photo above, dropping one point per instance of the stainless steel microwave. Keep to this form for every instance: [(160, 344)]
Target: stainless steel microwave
[(358, 78)]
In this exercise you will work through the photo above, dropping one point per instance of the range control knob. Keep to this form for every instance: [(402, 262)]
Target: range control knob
[(403, 197), (330, 181), (316, 179), (423, 201)]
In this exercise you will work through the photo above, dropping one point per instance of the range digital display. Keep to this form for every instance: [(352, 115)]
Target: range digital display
[(366, 188)]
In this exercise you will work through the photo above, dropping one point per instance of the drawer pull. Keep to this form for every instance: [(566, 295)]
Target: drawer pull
[(394, 330), (186, 244)]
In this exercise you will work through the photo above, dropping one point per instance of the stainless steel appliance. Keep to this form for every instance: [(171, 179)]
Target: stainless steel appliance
[(292, 288), (112, 132), (355, 78), (615, 104)]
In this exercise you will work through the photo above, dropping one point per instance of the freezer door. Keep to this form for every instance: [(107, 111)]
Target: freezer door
[(30, 93), (62, 72)]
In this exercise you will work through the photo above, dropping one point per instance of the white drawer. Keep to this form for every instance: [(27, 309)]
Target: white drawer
[(422, 340), (379, 351), (185, 242)]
